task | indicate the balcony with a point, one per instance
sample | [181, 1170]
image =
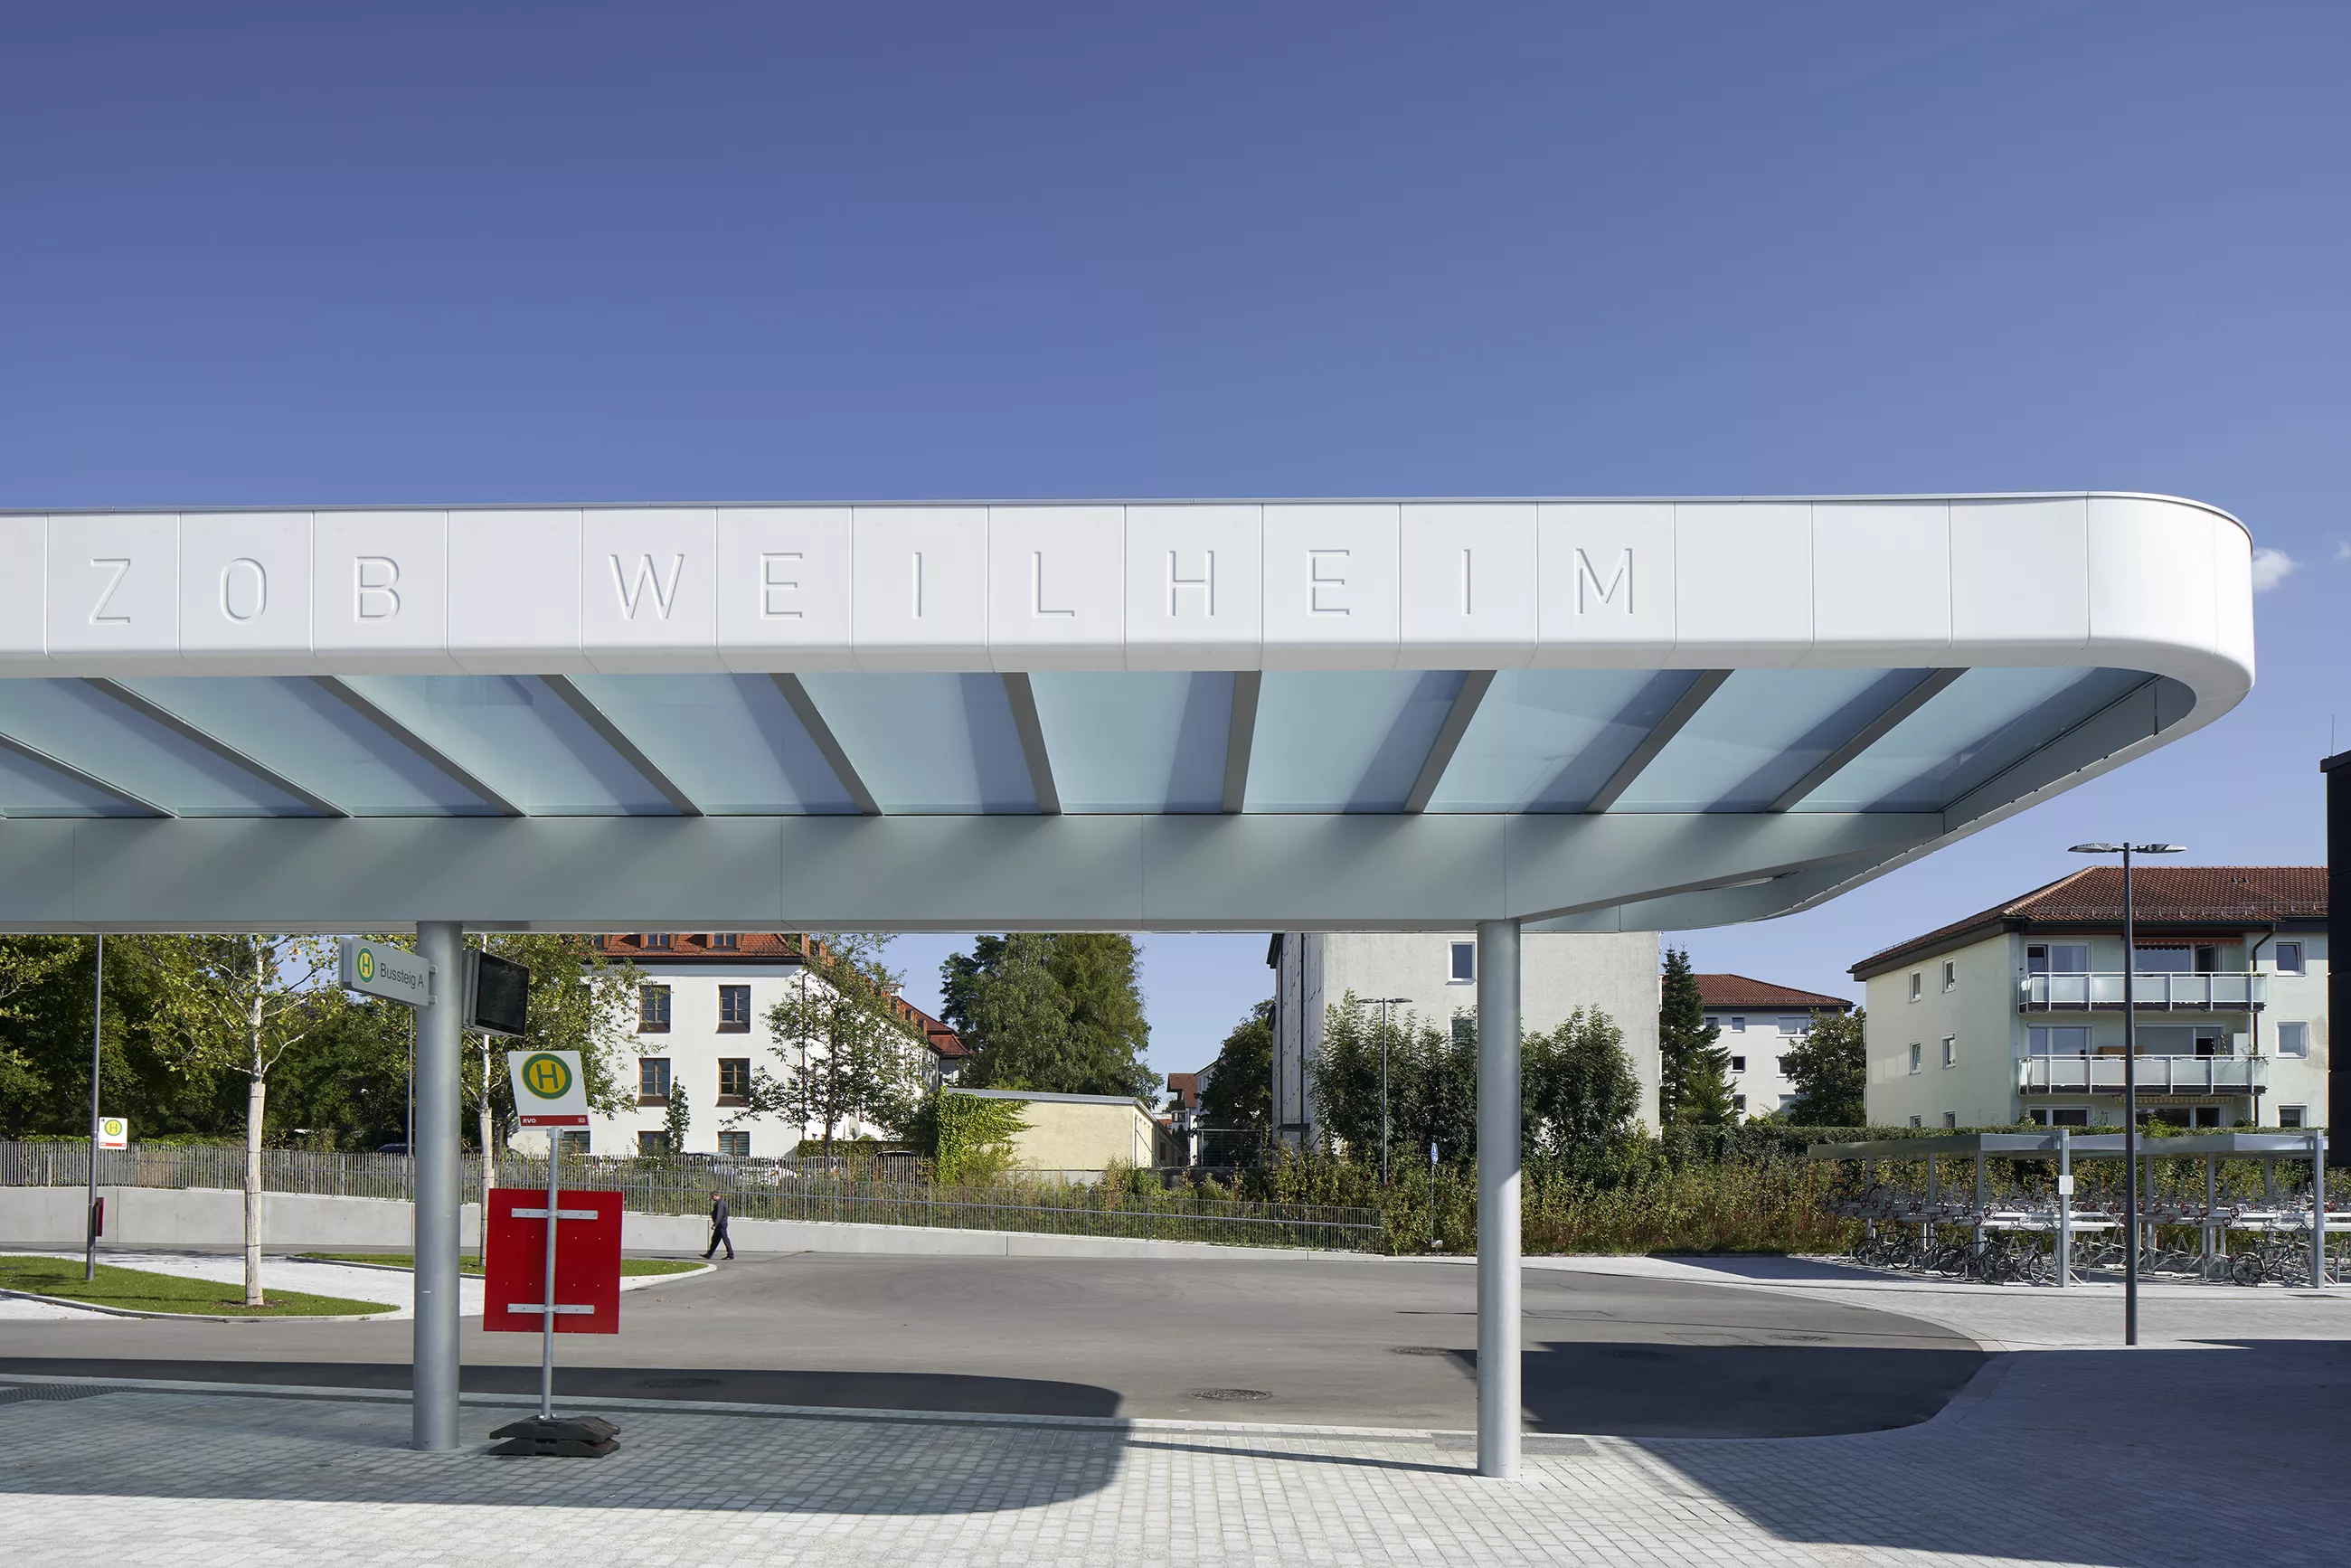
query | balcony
[2157, 1074]
[2158, 993]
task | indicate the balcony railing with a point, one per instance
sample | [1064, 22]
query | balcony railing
[2162, 992]
[2157, 1074]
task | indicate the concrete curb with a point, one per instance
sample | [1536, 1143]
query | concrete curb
[199, 1317]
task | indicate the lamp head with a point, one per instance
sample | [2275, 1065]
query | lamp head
[2096, 850]
[2160, 849]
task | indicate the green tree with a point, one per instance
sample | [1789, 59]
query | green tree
[1058, 1013]
[1830, 1068]
[1683, 1035]
[1578, 1089]
[1432, 1083]
[1707, 1099]
[238, 1004]
[968, 1138]
[677, 1120]
[1237, 1090]
[846, 1052]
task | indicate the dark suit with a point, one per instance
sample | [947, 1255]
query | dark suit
[718, 1237]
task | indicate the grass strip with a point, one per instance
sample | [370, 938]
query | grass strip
[138, 1290]
[630, 1267]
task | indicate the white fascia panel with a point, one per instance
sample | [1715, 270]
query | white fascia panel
[784, 588]
[514, 593]
[1056, 587]
[379, 591]
[113, 593]
[2019, 580]
[24, 574]
[649, 588]
[1195, 587]
[918, 588]
[245, 590]
[1743, 584]
[1881, 583]
[1333, 586]
[2232, 596]
[1604, 587]
[1469, 585]
[2150, 578]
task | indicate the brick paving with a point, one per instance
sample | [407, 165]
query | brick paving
[2230, 1450]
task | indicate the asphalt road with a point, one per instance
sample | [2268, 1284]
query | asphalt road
[1326, 1341]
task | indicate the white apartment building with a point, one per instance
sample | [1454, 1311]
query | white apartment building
[2015, 1014]
[701, 1025]
[1436, 975]
[1756, 1021]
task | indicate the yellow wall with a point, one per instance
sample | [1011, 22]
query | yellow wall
[1065, 1136]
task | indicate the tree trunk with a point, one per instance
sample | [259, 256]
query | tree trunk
[256, 1103]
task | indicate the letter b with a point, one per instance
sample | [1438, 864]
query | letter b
[377, 599]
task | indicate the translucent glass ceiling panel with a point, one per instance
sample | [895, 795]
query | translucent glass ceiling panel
[77, 723]
[731, 743]
[1139, 742]
[1758, 734]
[1345, 740]
[928, 742]
[304, 732]
[520, 739]
[1545, 740]
[1986, 721]
[31, 788]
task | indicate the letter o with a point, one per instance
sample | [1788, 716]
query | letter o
[252, 585]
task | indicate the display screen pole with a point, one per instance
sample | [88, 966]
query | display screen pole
[547, 1297]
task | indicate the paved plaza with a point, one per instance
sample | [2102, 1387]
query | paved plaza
[2223, 1438]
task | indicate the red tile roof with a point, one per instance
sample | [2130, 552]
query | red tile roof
[768, 947]
[1738, 991]
[2162, 896]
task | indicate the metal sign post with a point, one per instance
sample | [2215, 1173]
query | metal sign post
[97, 1039]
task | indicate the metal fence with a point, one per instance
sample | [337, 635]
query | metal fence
[815, 1188]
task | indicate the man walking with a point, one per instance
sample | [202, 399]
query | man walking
[718, 1236]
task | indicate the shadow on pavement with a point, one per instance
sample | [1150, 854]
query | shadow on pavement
[949, 1392]
[1771, 1265]
[1659, 1390]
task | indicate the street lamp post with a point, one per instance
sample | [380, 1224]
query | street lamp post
[2130, 1074]
[1385, 1002]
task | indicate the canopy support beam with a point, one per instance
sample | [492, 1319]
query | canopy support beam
[1474, 686]
[1499, 1416]
[1660, 736]
[439, 1186]
[1031, 731]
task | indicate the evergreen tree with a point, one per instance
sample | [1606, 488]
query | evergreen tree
[1830, 1067]
[1683, 1034]
[1707, 1100]
[677, 1120]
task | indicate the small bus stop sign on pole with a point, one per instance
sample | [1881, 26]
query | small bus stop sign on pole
[380, 969]
[549, 1090]
[113, 1133]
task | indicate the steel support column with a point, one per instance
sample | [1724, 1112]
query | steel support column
[1497, 1198]
[440, 1184]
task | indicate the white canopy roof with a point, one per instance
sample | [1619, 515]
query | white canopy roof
[1130, 715]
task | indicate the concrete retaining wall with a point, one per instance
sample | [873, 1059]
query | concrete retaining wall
[50, 1219]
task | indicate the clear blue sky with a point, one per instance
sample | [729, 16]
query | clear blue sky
[729, 252]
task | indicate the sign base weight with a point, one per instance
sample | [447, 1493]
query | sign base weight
[557, 1438]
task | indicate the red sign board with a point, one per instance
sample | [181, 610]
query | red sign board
[587, 1262]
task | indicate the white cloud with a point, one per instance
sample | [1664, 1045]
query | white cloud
[2271, 567]
[2343, 549]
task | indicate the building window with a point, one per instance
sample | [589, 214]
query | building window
[2057, 958]
[1950, 1050]
[1782, 1065]
[650, 1146]
[1465, 962]
[2071, 1116]
[1738, 1102]
[2206, 1115]
[1916, 1050]
[734, 1078]
[2058, 1039]
[2164, 960]
[658, 941]
[2289, 959]
[734, 1009]
[652, 1078]
[1794, 1025]
[1918, 985]
[1951, 974]
[652, 1009]
[1914, 1121]
[575, 1141]
[1950, 1121]
[723, 941]
[735, 1145]
[2290, 1116]
[1739, 1025]
[1738, 1064]
[1713, 1021]
[2294, 1039]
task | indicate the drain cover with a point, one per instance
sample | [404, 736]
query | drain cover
[679, 1383]
[1230, 1394]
